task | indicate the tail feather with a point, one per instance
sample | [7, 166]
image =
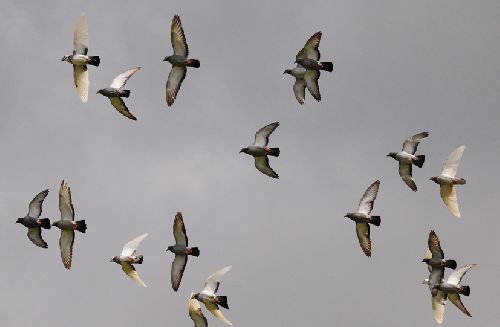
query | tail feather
[419, 162]
[452, 264]
[466, 290]
[222, 301]
[274, 152]
[375, 220]
[44, 223]
[194, 63]
[326, 65]
[194, 251]
[94, 60]
[81, 226]
[125, 93]
[459, 181]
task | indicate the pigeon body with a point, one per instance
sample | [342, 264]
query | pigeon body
[309, 56]
[179, 60]
[67, 224]
[363, 218]
[447, 180]
[115, 93]
[210, 299]
[260, 151]
[406, 158]
[452, 287]
[33, 221]
[128, 257]
[181, 251]
[79, 59]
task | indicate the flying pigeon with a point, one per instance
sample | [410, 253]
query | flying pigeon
[260, 151]
[115, 93]
[195, 312]
[33, 221]
[308, 57]
[179, 60]
[181, 252]
[406, 157]
[208, 297]
[79, 59]
[439, 300]
[128, 257]
[363, 218]
[67, 224]
[447, 180]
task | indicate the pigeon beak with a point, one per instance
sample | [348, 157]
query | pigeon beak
[62, 59]
[165, 59]
[111, 260]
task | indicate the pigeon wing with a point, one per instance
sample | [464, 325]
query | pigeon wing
[214, 309]
[435, 278]
[456, 276]
[405, 171]
[180, 230]
[35, 236]
[311, 77]
[121, 107]
[299, 89]
[262, 164]
[311, 48]
[212, 282]
[367, 200]
[81, 36]
[35, 207]
[438, 303]
[363, 232]
[262, 135]
[65, 203]
[195, 313]
[449, 196]
[122, 79]
[177, 270]
[81, 78]
[174, 82]
[435, 246]
[178, 38]
[66, 246]
[132, 273]
[428, 255]
[410, 144]
[455, 299]
[450, 166]
[130, 248]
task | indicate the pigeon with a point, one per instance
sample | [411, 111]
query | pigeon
[79, 59]
[308, 57]
[115, 93]
[453, 288]
[33, 221]
[208, 297]
[67, 224]
[260, 151]
[195, 312]
[363, 218]
[181, 252]
[406, 157]
[128, 257]
[439, 300]
[179, 60]
[447, 180]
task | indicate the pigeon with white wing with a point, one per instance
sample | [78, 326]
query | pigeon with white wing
[128, 257]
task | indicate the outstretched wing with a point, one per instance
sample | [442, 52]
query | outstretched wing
[455, 299]
[178, 38]
[449, 196]
[130, 271]
[214, 309]
[195, 312]
[66, 242]
[410, 144]
[121, 107]
[130, 248]
[262, 135]
[456, 276]
[35, 207]
[174, 82]
[363, 233]
[262, 164]
[180, 230]
[435, 246]
[405, 172]
[311, 78]
[35, 236]
[65, 203]
[450, 166]
[212, 282]
[367, 200]
[310, 49]
[122, 79]
[177, 270]
[81, 78]
[81, 36]
[438, 303]
[299, 89]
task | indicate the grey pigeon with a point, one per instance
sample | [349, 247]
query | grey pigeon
[179, 60]
[452, 287]
[115, 93]
[181, 251]
[194, 310]
[127, 258]
[406, 157]
[33, 221]
[67, 224]
[260, 151]
[309, 56]
[447, 180]
[363, 218]
[79, 59]
[208, 297]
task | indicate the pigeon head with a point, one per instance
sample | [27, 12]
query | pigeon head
[19, 220]
[114, 259]
[348, 215]
[288, 71]
[426, 281]
[167, 58]
[426, 260]
[244, 150]
[65, 58]
[55, 223]
[170, 248]
[434, 179]
[392, 155]
[195, 296]
[99, 92]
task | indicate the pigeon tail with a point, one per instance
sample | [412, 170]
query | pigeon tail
[140, 258]
[452, 264]
[44, 223]
[193, 63]
[419, 162]
[274, 152]
[465, 290]
[94, 61]
[81, 226]
[125, 93]
[194, 251]
[326, 65]
[459, 181]
[222, 301]
[375, 220]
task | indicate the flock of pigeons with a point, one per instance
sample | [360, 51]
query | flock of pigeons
[306, 73]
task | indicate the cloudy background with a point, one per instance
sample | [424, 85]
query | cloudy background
[401, 67]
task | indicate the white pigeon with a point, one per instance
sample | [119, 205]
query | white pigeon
[127, 257]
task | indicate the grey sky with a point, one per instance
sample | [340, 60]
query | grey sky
[401, 67]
